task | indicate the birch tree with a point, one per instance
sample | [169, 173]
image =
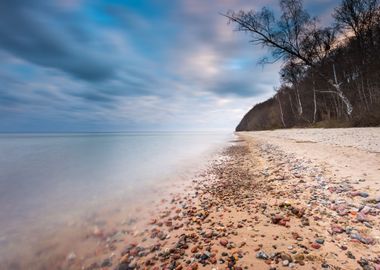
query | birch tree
[294, 36]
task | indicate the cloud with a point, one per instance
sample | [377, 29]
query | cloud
[119, 65]
[36, 32]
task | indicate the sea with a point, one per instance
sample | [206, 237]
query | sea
[51, 181]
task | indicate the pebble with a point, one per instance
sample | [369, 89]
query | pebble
[364, 240]
[262, 255]
[365, 210]
[71, 257]
[106, 263]
[320, 241]
[223, 242]
[360, 193]
[337, 229]
[350, 255]
[206, 214]
[361, 217]
[286, 257]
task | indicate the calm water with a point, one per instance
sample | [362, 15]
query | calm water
[47, 179]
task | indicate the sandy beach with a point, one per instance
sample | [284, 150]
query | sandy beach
[301, 199]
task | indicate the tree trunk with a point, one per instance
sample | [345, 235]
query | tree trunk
[340, 93]
[281, 113]
[315, 101]
[300, 109]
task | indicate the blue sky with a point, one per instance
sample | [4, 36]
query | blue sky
[97, 65]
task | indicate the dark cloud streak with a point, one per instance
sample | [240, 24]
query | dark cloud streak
[27, 31]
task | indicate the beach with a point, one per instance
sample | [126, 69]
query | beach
[66, 197]
[299, 198]
[302, 199]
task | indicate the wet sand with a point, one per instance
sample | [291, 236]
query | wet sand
[268, 201]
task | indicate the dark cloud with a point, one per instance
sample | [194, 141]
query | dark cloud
[29, 31]
[95, 96]
[7, 99]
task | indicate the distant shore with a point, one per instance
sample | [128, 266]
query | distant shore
[301, 198]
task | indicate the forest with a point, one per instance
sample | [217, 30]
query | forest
[330, 75]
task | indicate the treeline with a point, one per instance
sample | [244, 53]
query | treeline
[330, 75]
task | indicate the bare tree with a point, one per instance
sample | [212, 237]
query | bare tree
[359, 16]
[293, 37]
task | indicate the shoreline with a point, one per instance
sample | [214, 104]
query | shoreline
[260, 207]
[267, 201]
[86, 235]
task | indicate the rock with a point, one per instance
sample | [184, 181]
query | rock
[97, 232]
[342, 210]
[299, 212]
[305, 221]
[364, 264]
[361, 217]
[285, 263]
[311, 258]
[364, 240]
[365, 210]
[299, 257]
[363, 194]
[316, 246]
[276, 219]
[262, 255]
[122, 266]
[106, 263]
[360, 193]
[282, 222]
[350, 255]
[71, 257]
[124, 259]
[223, 242]
[286, 257]
[193, 266]
[320, 241]
[337, 229]
[325, 265]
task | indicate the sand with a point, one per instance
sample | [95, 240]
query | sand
[304, 199]
[347, 152]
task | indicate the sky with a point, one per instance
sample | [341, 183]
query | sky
[113, 65]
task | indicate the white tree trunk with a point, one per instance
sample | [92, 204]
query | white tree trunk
[340, 93]
[315, 102]
[281, 113]
[299, 104]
